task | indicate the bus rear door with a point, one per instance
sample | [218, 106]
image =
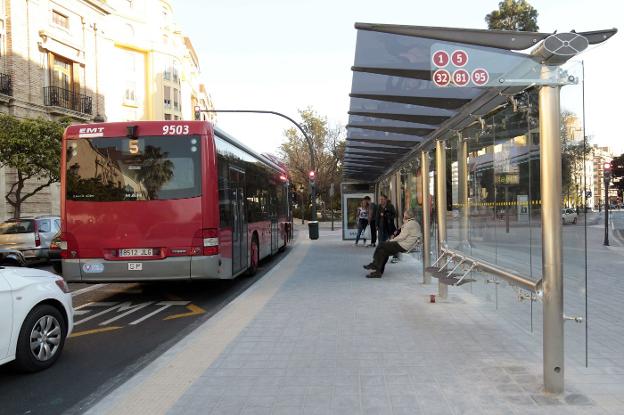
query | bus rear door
[239, 219]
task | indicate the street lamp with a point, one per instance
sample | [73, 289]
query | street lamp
[607, 178]
[312, 176]
[198, 110]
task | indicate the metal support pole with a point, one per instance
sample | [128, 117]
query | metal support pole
[552, 270]
[462, 173]
[606, 221]
[440, 162]
[426, 219]
[313, 210]
[506, 208]
[331, 207]
[302, 210]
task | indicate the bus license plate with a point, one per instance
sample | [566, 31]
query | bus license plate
[136, 252]
[135, 266]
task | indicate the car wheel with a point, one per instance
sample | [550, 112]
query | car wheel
[254, 258]
[41, 339]
[58, 267]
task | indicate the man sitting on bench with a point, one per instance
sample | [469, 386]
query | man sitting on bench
[404, 241]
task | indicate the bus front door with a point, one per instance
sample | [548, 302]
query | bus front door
[239, 219]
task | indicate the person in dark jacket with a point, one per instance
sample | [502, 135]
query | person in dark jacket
[385, 219]
[372, 220]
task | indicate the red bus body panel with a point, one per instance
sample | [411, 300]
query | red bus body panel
[96, 231]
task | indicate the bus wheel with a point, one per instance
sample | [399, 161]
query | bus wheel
[254, 253]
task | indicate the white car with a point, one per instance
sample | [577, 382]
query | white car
[568, 216]
[36, 316]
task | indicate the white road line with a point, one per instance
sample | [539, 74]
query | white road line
[87, 289]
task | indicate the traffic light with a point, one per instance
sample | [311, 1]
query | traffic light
[607, 170]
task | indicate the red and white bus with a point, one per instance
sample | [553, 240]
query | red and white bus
[167, 200]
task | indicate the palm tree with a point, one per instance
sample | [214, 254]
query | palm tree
[155, 172]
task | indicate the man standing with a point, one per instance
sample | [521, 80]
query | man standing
[385, 218]
[372, 222]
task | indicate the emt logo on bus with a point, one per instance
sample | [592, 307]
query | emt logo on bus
[91, 132]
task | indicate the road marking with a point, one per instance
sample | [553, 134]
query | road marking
[194, 310]
[87, 289]
[95, 304]
[123, 307]
[94, 331]
[165, 305]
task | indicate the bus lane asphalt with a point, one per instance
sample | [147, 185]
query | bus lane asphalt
[118, 329]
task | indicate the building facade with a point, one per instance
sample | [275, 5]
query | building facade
[157, 64]
[600, 156]
[49, 68]
[91, 60]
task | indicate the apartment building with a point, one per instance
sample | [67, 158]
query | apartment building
[157, 74]
[49, 68]
[91, 60]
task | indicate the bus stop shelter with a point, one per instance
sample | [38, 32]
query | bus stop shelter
[418, 91]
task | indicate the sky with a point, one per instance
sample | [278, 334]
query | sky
[287, 55]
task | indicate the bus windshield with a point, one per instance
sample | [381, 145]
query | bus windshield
[124, 169]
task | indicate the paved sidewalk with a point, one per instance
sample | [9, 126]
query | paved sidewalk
[316, 337]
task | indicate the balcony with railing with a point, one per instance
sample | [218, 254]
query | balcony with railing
[55, 96]
[6, 87]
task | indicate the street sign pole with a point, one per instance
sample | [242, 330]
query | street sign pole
[606, 221]
[331, 204]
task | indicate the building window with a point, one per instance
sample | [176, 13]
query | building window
[2, 35]
[60, 19]
[165, 16]
[167, 117]
[129, 29]
[167, 101]
[64, 85]
[130, 92]
[61, 72]
[176, 99]
[132, 71]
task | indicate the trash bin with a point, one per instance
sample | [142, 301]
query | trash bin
[313, 229]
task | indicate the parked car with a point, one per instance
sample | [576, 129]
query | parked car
[36, 316]
[568, 216]
[12, 258]
[54, 253]
[31, 236]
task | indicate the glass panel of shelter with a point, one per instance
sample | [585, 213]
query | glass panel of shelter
[579, 226]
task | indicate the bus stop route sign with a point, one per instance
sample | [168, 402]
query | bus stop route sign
[460, 77]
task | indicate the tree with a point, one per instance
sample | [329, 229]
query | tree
[329, 147]
[617, 174]
[573, 154]
[155, 171]
[33, 149]
[513, 15]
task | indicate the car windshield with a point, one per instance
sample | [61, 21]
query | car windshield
[17, 226]
[122, 169]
